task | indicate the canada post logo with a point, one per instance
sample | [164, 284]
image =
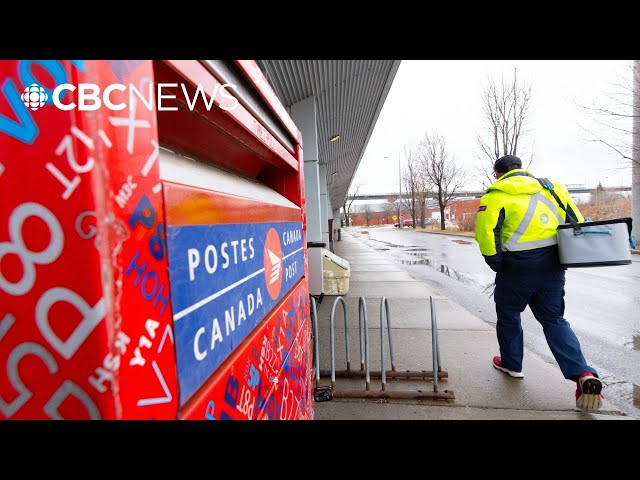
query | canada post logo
[225, 279]
[117, 96]
[273, 263]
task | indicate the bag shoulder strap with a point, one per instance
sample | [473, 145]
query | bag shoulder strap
[546, 183]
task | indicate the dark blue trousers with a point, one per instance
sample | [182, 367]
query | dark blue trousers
[544, 293]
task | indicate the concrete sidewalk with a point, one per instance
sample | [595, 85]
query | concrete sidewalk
[467, 345]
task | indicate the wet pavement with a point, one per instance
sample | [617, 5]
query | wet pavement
[466, 344]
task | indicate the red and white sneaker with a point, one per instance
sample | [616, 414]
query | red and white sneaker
[497, 362]
[588, 396]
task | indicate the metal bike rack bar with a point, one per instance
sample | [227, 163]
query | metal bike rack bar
[316, 350]
[383, 376]
[363, 326]
[435, 325]
[333, 342]
[364, 351]
[435, 347]
[385, 303]
[365, 371]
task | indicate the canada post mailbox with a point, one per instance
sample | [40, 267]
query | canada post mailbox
[152, 257]
[85, 316]
[236, 251]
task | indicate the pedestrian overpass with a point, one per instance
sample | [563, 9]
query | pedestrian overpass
[392, 197]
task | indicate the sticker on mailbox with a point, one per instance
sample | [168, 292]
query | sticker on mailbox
[224, 280]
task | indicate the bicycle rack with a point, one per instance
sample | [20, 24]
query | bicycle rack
[323, 393]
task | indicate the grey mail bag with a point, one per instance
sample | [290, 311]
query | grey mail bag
[592, 244]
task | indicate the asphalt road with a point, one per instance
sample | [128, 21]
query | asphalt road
[602, 304]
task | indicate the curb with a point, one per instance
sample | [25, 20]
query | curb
[458, 234]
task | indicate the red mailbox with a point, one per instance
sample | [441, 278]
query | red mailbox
[152, 243]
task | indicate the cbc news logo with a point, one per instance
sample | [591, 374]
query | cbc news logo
[34, 96]
[90, 96]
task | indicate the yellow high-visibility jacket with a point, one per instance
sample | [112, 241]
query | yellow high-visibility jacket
[518, 214]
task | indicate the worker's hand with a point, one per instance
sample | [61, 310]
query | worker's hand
[494, 262]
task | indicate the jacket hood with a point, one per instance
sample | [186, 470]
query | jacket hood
[517, 182]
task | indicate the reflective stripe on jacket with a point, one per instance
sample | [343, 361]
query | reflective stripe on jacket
[518, 214]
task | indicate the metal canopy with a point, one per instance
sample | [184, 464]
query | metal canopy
[349, 96]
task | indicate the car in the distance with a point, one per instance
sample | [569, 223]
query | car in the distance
[405, 223]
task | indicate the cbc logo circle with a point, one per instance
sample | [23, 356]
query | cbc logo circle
[34, 96]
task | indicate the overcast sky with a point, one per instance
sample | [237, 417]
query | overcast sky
[445, 96]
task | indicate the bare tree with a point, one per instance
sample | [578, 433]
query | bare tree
[366, 209]
[505, 108]
[416, 186]
[346, 206]
[409, 201]
[410, 180]
[619, 113]
[441, 170]
[423, 187]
